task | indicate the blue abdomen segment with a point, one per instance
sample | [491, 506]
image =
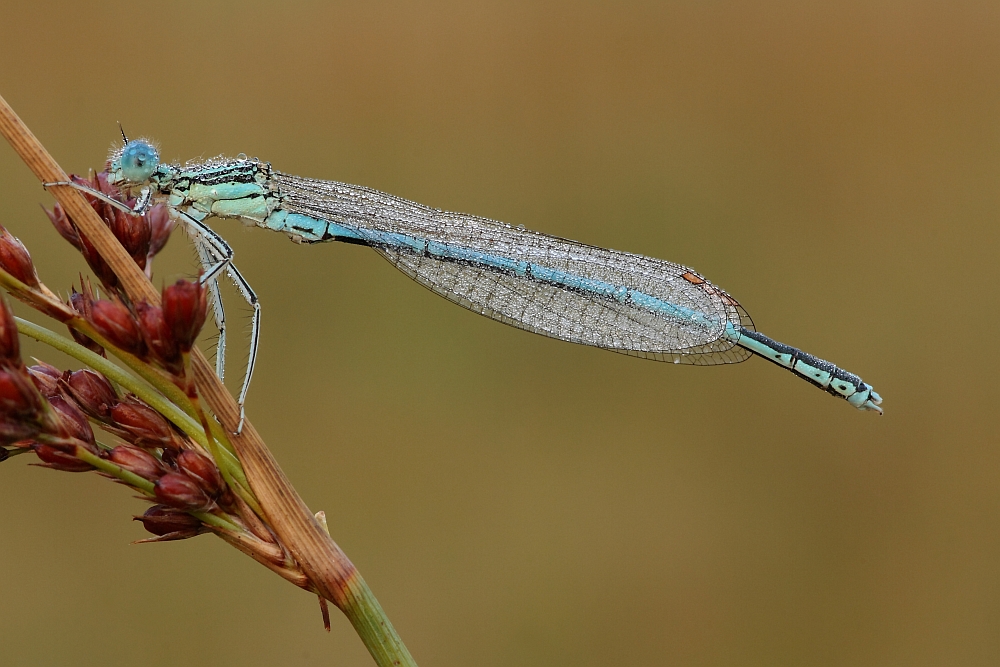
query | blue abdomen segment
[306, 229]
[821, 373]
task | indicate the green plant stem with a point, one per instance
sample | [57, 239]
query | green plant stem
[11, 453]
[373, 626]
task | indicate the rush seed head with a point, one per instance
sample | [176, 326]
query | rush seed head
[170, 523]
[145, 426]
[63, 225]
[15, 260]
[137, 461]
[159, 338]
[92, 392]
[72, 422]
[58, 459]
[115, 322]
[141, 236]
[201, 469]
[180, 491]
[185, 306]
[10, 348]
[161, 225]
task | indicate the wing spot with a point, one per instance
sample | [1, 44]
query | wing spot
[693, 278]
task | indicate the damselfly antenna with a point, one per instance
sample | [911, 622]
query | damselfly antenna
[122, 131]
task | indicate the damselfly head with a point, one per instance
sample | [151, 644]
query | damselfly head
[135, 162]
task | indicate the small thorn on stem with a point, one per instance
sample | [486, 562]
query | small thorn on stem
[325, 610]
[321, 518]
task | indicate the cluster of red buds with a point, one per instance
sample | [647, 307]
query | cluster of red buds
[50, 412]
[181, 464]
[141, 236]
[162, 335]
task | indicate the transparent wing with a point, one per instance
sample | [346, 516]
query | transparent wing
[552, 310]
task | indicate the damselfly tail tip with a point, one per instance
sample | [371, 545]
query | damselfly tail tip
[873, 403]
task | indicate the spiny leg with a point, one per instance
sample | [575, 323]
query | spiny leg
[251, 298]
[215, 300]
[141, 206]
[219, 254]
[213, 255]
[212, 248]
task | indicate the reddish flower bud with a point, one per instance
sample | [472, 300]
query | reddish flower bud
[19, 399]
[201, 469]
[158, 337]
[47, 384]
[169, 522]
[10, 349]
[114, 321]
[57, 459]
[138, 461]
[180, 491]
[162, 225]
[15, 260]
[145, 425]
[101, 269]
[92, 392]
[49, 370]
[133, 232]
[80, 302]
[184, 308]
[64, 225]
[72, 422]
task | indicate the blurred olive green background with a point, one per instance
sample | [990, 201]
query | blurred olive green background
[513, 500]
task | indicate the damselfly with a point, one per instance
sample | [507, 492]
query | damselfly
[614, 300]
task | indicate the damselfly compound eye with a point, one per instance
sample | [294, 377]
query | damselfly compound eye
[139, 160]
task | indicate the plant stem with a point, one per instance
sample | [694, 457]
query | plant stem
[373, 626]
